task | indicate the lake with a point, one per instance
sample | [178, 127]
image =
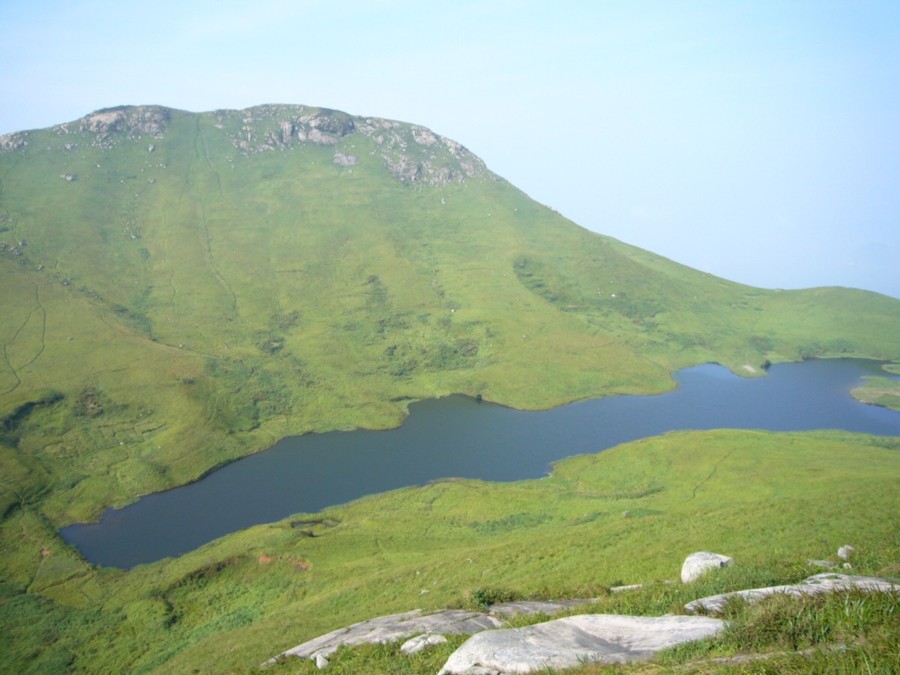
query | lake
[460, 437]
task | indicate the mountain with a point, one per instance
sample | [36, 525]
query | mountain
[181, 289]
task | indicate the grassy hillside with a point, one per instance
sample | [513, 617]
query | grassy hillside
[191, 287]
[627, 515]
[180, 289]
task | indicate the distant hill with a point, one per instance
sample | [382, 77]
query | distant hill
[181, 289]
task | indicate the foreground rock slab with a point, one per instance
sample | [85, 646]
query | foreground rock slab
[575, 640]
[814, 585]
[391, 628]
[398, 626]
[421, 643]
[530, 607]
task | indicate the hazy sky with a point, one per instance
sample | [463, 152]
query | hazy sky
[756, 140]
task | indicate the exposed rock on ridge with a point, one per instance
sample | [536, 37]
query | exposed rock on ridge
[397, 626]
[389, 628]
[271, 127]
[104, 128]
[14, 141]
[135, 122]
[110, 126]
[410, 153]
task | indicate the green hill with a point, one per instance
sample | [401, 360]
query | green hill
[214, 281]
[180, 289]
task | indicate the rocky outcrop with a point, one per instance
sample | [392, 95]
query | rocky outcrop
[273, 127]
[321, 137]
[814, 585]
[110, 125]
[532, 607]
[14, 141]
[421, 643]
[410, 153]
[845, 552]
[561, 643]
[333, 122]
[700, 563]
[576, 640]
[414, 154]
[345, 160]
[399, 626]
[391, 628]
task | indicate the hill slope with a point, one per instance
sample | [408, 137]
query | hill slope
[181, 289]
[628, 515]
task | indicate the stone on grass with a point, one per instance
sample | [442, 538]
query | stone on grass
[698, 564]
[828, 582]
[390, 629]
[421, 642]
[576, 640]
[844, 552]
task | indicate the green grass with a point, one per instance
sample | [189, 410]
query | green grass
[883, 391]
[168, 311]
[628, 515]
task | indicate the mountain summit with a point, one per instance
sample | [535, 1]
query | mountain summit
[410, 153]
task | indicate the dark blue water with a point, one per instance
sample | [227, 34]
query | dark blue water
[459, 437]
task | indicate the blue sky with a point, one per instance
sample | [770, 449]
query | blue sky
[759, 141]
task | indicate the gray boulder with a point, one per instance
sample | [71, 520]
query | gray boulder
[814, 585]
[390, 629]
[399, 626]
[845, 552]
[421, 642]
[575, 640]
[698, 564]
[345, 160]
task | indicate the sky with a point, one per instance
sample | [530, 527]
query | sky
[757, 140]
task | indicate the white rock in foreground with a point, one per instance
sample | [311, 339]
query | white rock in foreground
[398, 626]
[698, 564]
[529, 607]
[845, 552]
[575, 640]
[390, 628]
[814, 585]
[421, 642]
